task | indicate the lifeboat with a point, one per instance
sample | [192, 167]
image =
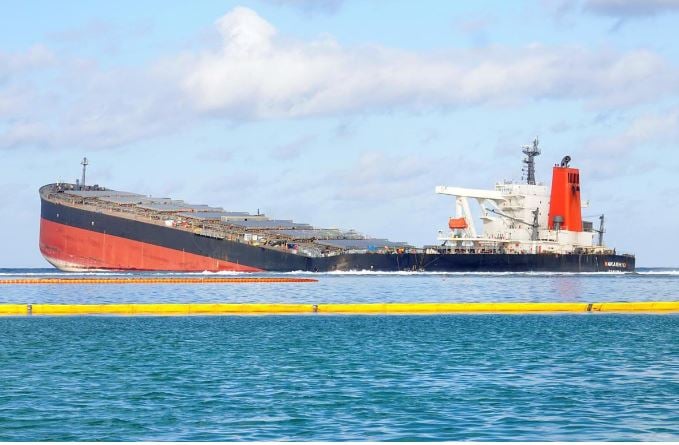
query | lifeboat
[457, 223]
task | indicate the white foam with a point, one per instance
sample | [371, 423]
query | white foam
[221, 272]
[425, 273]
[658, 272]
[62, 274]
[55, 273]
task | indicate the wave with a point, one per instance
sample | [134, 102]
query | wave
[429, 273]
[62, 274]
[222, 272]
[56, 273]
[658, 272]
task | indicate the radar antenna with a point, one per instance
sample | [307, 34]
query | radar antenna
[84, 163]
[531, 151]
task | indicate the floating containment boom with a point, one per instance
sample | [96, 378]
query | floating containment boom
[183, 309]
[158, 280]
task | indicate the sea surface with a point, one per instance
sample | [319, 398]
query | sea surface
[590, 376]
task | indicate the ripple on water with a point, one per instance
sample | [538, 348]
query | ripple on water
[363, 287]
[462, 377]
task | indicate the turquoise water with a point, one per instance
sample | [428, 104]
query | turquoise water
[648, 285]
[315, 377]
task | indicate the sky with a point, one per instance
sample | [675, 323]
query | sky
[343, 113]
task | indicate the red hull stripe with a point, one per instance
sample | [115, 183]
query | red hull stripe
[84, 249]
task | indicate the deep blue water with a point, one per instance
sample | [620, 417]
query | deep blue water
[319, 377]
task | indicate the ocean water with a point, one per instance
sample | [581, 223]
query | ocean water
[357, 287]
[590, 376]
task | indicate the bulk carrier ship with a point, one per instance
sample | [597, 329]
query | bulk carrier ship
[526, 227]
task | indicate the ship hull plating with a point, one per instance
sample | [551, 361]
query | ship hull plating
[75, 240]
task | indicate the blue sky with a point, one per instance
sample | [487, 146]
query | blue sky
[343, 113]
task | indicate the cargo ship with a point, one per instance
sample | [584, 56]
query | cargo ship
[526, 226]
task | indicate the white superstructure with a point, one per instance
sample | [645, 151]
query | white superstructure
[515, 216]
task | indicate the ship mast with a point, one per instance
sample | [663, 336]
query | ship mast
[601, 230]
[531, 152]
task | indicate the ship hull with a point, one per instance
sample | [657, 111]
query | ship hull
[74, 239]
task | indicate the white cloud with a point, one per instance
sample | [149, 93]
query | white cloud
[621, 10]
[37, 56]
[53, 100]
[377, 176]
[245, 31]
[646, 131]
[636, 149]
[631, 8]
[258, 74]
[49, 101]
[16, 72]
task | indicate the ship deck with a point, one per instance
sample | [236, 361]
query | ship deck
[215, 222]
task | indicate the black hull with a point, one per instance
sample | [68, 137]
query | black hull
[279, 261]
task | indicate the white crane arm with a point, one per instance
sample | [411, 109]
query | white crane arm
[492, 195]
